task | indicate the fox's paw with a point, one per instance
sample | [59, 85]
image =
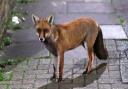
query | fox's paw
[87, 71]
[59, 79]
[53, 77]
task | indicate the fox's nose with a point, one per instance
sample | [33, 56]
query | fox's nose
[42, 39]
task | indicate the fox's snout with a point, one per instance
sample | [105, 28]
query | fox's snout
[42, 39]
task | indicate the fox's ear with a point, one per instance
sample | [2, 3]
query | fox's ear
[50, 19]
[35, 18]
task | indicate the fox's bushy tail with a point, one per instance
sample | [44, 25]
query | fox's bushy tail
[99, 49]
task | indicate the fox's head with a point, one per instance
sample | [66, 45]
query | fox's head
[43, 26]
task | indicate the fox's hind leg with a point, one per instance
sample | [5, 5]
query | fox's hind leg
[90, 42]
[90, 61]
[85, 58]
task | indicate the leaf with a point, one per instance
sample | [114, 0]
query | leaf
[1, 76]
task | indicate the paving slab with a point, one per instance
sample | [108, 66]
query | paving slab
[124, 68]
[113, 32]
[75, 7]
[105, 1]
[62, 10]
[109, 19]
[73, 78]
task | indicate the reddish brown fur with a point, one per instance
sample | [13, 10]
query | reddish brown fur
[67, 36]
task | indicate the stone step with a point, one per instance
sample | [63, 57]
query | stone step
[113, 32]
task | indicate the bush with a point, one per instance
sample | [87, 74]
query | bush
[13, 26]
[7, 41]
[1, 45]
[1, 75]
[24, 1]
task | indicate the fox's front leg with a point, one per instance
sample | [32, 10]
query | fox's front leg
[58, 66]
[55, 68]
[61, 65]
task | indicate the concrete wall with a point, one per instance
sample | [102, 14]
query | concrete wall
[5, 8]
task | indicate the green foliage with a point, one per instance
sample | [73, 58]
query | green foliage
[1, 45]
[24, 1]
[1, 75]
[9, 62]
[5, 75]
[7, 87]
[7, 40]
[121, 20]
[8, 76]
[12, 61]
[11, 25]
[18, 13]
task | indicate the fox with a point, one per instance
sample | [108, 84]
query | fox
[59, 38]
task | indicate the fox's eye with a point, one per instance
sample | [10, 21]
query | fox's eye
[39, 30]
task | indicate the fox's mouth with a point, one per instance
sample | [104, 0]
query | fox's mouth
[44, 41]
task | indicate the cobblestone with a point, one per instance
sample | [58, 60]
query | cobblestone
[44, 76]
[104, 86]
[17, 75]
[30, 76]
[43, 67]
[114, 68]
[105, 75]
[28, 81]
[45, 61]
[119, 86]
[40, 82]
[25, 86]
[113, 54]
[114, 74]
[113, 62]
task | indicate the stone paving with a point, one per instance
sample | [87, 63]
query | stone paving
[35, 73]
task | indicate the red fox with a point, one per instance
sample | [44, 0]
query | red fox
[59, 38]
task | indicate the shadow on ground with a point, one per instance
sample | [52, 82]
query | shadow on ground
[80, 81]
